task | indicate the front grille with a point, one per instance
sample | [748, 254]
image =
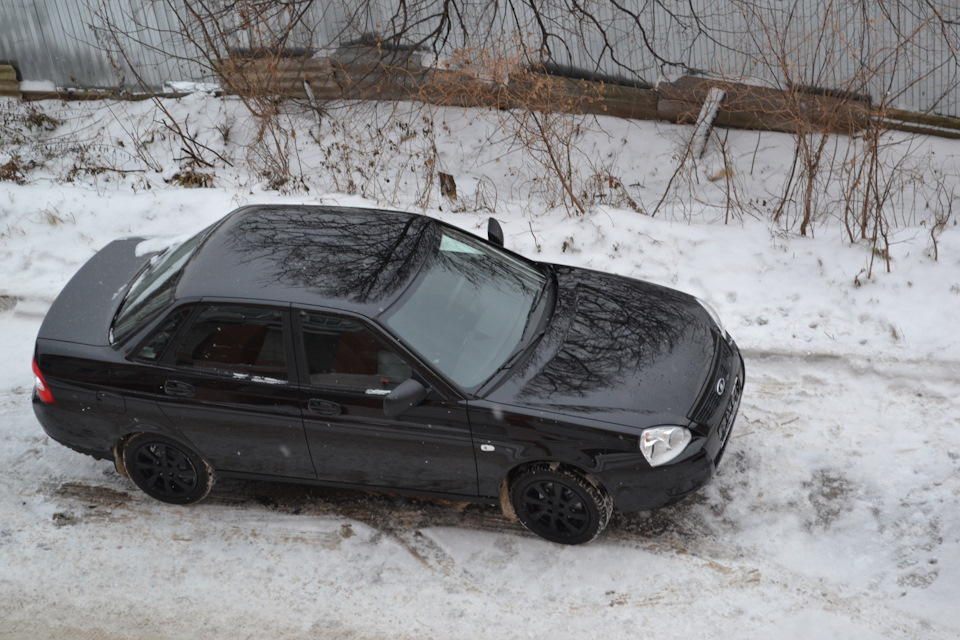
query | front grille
[726, 423]
[731, 413]
[710, 400]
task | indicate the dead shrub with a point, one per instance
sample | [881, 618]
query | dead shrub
[192, 179]
[13, 171]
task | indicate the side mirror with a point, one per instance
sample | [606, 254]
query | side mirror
[494, 232]
[409, 394]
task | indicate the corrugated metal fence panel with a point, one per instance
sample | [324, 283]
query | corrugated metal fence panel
[21, 41]
[65, 43]
[43, 40]
[157, 33]
[822, 43]
[142, 43]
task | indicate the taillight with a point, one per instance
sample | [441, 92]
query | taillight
[43, 391]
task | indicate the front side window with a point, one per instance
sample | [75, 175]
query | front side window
[245, 342]
[343, 354]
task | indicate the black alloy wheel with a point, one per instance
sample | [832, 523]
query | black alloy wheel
[166, 470]
[560, 505]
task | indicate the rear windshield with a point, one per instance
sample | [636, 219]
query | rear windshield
[153, 289]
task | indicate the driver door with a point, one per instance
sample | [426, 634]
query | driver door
[346, 369]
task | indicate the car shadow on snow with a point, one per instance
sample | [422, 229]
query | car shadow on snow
[677, 526]
[389, 513]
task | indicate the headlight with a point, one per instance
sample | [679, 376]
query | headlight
[714, 316]
[660, 445]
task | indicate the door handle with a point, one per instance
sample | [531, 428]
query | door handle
[323, 407]
[178, 389]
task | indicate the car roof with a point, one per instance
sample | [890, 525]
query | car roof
[355, 259]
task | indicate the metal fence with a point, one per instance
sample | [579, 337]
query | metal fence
[55, 42]
[901, 52]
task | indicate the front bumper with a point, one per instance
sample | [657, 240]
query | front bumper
[635, 486]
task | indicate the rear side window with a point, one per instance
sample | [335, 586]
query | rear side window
[240, 341]
[153, 290]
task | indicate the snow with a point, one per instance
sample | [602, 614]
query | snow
[37, 85]
[191, 87]
[834, 513]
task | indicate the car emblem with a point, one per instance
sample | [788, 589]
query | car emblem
[721, 386]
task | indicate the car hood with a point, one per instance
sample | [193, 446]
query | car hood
[84, 310]
[616, 350]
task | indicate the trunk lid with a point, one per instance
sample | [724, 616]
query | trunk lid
[84, 310]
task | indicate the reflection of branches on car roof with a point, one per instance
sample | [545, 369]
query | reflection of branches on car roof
[331, 255]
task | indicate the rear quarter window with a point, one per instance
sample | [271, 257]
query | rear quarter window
[153, 347]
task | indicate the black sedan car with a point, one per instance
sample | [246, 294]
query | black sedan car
[387, 351]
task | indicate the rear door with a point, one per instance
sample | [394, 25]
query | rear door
[227, 385]
[346, 369]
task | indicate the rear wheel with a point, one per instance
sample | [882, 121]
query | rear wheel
[166, 470]
[559, 504]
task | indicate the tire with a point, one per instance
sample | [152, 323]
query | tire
[166, 470]
[559, 504]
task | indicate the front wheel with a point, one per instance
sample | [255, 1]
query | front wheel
[560, 505]
[166, 470]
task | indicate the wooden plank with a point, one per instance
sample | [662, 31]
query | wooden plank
[556, 93]
[744, 106]
[751, 107]
[704, 125]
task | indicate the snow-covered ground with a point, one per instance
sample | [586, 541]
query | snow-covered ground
[834, 514]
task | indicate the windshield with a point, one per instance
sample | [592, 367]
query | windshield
[467, 313]
[153, 290]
